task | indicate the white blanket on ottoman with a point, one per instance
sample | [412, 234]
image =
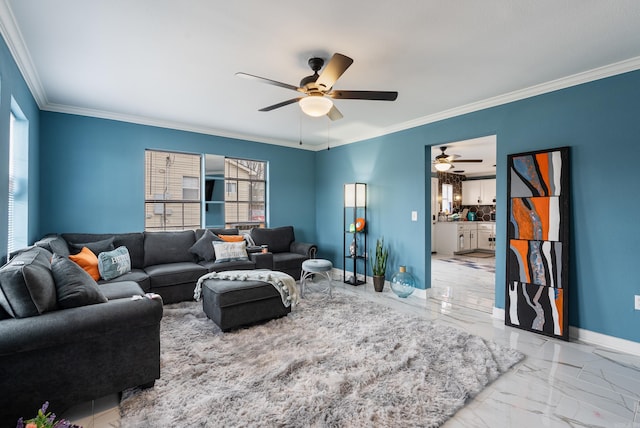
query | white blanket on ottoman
[284, 283]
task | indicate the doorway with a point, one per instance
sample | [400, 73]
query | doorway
[462, 219]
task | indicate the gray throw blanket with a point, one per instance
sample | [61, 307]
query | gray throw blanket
[284, 283]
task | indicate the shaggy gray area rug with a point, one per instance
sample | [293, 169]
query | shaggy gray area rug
[334, 363]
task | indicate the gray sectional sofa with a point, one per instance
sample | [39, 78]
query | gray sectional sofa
[67, 341]
[82, 340]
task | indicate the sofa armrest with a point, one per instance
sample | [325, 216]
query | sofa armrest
[66, 326]
[304, 248]
[262, 260]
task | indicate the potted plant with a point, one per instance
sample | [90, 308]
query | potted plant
[379, 265]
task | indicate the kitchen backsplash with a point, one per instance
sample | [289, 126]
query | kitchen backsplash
[483, 212]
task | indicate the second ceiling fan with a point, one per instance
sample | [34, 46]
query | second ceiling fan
[444, 162]
[318, 88]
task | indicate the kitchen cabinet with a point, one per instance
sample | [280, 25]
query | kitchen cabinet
[486, 236]
[461, 237]
[479, 192]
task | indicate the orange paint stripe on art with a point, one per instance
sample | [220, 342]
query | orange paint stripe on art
[559, 305]
[522, 248]
[542, 208]
[542, 159]
[523, 220]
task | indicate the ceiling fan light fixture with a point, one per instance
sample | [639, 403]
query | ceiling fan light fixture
[442, 166]
[315, 105]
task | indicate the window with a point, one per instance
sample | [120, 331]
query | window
[172, 190]
[18, 207]
[245, 193]
[447, 198]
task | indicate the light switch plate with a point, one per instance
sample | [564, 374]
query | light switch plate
[414, 215]
[637, 303]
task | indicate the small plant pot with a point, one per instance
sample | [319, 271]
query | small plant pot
[378, 283]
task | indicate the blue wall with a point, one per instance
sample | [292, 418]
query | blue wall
[86, 175]
[13, 85]
[93, 174]
[600, 121]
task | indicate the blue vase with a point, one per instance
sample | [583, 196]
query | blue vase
[403, 283]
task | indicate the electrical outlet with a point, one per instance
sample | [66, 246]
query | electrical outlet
[637, 305]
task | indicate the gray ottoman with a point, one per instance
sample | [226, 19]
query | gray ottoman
[233, 304]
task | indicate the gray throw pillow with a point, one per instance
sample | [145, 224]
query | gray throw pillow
[26, 285]
[96, 247]
[203, 248]
[74, 285]
[112, 264]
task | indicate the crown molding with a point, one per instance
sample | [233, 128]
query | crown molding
[17, 47]
[178, 126]
[610, 70]
[22, 57]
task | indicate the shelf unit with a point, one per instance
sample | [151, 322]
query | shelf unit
[214, 201]
[354, 243]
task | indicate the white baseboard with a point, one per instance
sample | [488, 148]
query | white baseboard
[591, 337]
[575, 333]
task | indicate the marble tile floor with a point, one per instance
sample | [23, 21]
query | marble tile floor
[558, 384]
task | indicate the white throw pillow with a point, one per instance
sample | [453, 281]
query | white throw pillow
[230, 251]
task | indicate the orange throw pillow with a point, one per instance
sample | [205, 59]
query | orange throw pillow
[87, 261]
[231, 238]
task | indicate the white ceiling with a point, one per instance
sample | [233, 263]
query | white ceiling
[172, 64]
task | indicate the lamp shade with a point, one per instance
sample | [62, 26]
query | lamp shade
[442, 166]
[315, 105]
[355, 195]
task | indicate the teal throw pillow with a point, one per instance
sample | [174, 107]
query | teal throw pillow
[112, 264]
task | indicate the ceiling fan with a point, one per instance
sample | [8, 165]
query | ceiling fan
[318, 88]
[443, 162]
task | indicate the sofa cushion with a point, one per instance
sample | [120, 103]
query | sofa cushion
[138, 276]
[168, 247]
[96, 247]
[286, 261]
[212, 266]
[230, 251]
[74, 286]
[169, 274]
[27, 287]
[278, 239]
[121, 290]
[203, 248]
[88, 261]
[112, 264]
[54, 244]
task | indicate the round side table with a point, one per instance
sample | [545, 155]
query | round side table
[315, 266]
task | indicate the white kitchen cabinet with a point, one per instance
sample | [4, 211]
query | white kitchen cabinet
[471, 190]
[467, 237]
[488, 191]
[463, 237]
[479, 192]
[486, 236]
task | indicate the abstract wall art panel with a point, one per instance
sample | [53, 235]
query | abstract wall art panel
[537, 241]
[535, 308]
[535, 218]
[536, 262]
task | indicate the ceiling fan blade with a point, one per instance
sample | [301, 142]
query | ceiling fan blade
[333, 70]
[364, 95]
[466, 160]
[334, 113]
[282, 104]
[268, 81]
